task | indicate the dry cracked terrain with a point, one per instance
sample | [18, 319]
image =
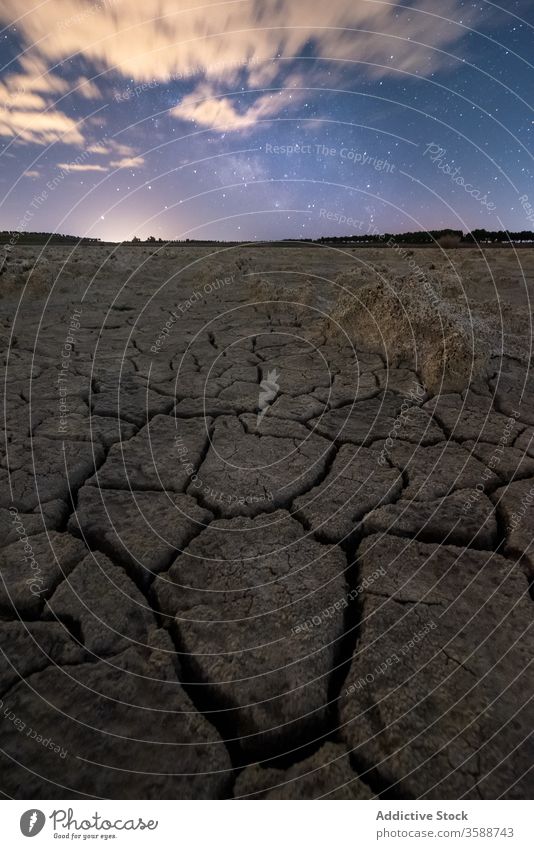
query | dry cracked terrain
[242, 556]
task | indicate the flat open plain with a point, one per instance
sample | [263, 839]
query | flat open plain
[245, 552]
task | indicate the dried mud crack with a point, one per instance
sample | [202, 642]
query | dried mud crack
[250, 558]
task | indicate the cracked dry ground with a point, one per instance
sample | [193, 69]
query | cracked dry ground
[222, 608]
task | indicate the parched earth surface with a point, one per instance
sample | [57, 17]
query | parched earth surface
[241, 556]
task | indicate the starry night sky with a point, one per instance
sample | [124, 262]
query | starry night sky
[174, 119]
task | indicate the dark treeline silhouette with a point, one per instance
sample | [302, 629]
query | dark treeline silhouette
[428, 237]
[13, 237]
[420, 237]
[499, 236]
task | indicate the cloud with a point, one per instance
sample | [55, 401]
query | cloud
[87, 88]
[26, 106]
[39, 127]
[111, 146]
[80, 166]
[128, 162]
[34, 75]
[121, 149]
[208, 110]
[107, 147]
[32, 172]
[253, 43]
[18, 99]
[98, 148]
[156, 40]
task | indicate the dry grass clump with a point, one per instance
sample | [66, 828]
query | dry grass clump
[408, 320]
[264, 290]
[18, 271]
[354, 279]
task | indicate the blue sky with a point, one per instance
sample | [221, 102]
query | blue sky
[254, 120]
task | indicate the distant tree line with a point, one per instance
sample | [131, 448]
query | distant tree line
[151, 240]
[428, 237]
[420, 237]
[499, 236]
[23, 238]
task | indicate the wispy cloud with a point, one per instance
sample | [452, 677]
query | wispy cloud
[80, 166]
[128, 162]
[111, 147]
[39, 127]
[156, 39]
[207, 110]
[250, 41]
[87, 88]
[27, 109]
